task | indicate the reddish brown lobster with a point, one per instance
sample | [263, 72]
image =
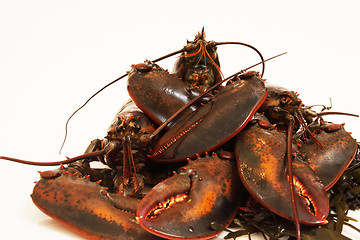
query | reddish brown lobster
[283, 152]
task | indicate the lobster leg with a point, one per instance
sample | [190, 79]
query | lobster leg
[185, 205]
[83, 206]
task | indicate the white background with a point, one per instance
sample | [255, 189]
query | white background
[56, 54]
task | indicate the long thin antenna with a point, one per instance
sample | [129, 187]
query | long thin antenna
[289, 156]
[337, 113]
[67, 122]
[249, 46]
[67, 161]
[107, 85]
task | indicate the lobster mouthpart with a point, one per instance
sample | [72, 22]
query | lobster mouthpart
[214, 123]
[80, 205]
[184, 206]
[330, 161]
[260, 154]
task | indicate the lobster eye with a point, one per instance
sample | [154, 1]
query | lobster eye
[284, 100]
[136, 126]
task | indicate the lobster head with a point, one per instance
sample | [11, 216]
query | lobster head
[129, 130]
[282, 103]
[199, 65]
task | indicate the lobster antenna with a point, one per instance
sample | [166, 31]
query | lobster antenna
[68, 120]
[289, 153]
[107, 85]
[67, 161]
[323, 112]
[337, 113]
[164, 124]
[249, 46]
[321, 105]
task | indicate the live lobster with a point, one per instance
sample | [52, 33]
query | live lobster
[281, 146]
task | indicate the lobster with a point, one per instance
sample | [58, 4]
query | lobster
[285, 111]
[319, 145]
[123, 150]
[207, 187]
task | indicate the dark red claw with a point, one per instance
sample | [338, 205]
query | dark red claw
[339, 149]
[82, 206]
[214, 123]
[313, 194]
[201, 190]
[261, 162]
[158, 94]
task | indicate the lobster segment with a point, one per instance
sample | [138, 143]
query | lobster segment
[184, 205]
[82, 206]
[260, 153]
[214, 123]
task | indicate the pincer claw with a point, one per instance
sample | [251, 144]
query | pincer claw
[184, 205]
[260, 154]
[330, 161]
[82, 205]
[182, 140]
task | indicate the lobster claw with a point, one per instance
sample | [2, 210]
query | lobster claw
[157, 93]
[337, 152]
[184, 205]
[82, 206]
[214, 123]
[260, 153]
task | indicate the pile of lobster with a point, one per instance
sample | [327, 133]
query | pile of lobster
[191, 148]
